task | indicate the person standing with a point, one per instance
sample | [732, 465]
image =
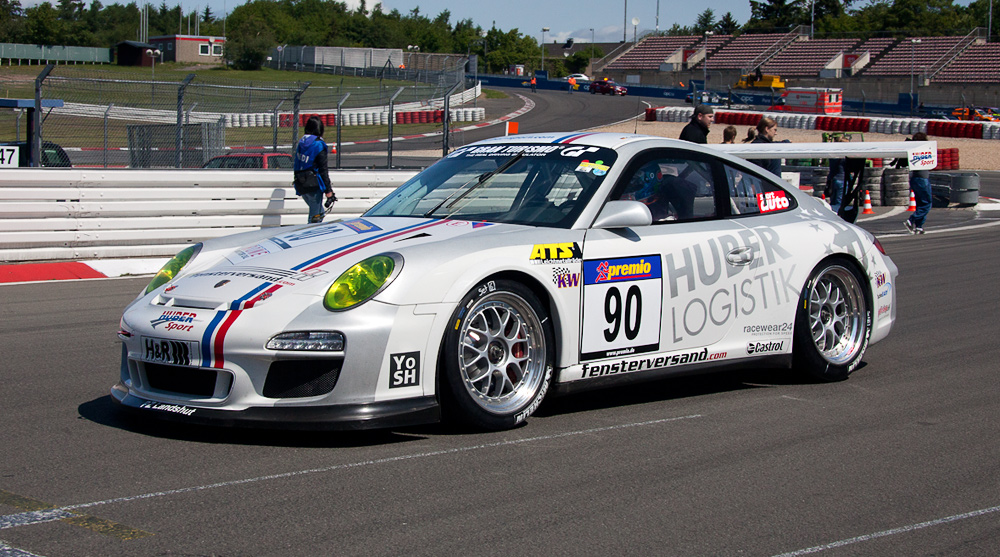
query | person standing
[836, 179]
[920, 185]
[572, 84]
[696, 131]
[534, 82]
[311, 174]
[729, 135]
[767, 130]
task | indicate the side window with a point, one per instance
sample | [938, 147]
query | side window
[203, 49]
[279, 162]
[751, 195]
[674, 189]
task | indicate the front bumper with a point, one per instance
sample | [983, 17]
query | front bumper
[375, 415]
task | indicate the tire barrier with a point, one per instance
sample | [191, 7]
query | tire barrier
[381, 118]
[895, 187]
[872, 183]
[895, 126]
[958, 187]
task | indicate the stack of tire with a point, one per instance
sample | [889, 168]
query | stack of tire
[819, 176]
[896, 187]
[873, 184]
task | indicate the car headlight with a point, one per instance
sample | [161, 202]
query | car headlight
[172, 267]
[362, 281]
[307, 340]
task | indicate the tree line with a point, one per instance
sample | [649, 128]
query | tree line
[252, 29]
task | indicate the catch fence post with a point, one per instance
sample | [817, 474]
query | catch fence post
[179, 136]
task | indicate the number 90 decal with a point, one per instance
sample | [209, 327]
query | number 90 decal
[621, 306]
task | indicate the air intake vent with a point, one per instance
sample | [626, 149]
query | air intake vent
[188, 381]
[301, 378]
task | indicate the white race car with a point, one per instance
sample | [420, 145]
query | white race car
[511, 268]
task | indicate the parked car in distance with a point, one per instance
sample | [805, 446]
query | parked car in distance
[607, 87]
[264, 161]
[53, 156]
[705, 97]
[577, 76]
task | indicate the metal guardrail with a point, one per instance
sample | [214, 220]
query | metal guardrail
[77, 214]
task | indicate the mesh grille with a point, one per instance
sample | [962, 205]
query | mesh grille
[301, 378]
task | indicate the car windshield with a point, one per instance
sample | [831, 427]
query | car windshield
[536, 184]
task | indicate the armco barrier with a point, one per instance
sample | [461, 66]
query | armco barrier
[88, 214]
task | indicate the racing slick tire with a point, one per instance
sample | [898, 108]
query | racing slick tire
[497, 356]
[833, 323]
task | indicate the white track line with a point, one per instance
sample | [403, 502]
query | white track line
[892, 532]
[38, 517]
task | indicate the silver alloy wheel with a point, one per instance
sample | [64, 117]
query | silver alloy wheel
[837, 315]
[502, 353]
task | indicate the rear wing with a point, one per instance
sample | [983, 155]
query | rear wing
[920, 155]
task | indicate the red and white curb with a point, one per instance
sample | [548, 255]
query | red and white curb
[18, 273]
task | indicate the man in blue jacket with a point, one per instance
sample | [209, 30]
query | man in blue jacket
[312, 177]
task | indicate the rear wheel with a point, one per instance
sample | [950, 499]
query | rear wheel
[833, 322]
[497, 358]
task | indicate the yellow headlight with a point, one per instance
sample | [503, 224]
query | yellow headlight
[172, 267]
[360, 282]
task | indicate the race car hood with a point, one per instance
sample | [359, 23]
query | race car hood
[304, 260]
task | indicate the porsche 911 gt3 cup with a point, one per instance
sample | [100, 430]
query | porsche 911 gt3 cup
[512, 268]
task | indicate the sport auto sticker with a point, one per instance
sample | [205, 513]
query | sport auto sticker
[621, 306]
[693, 271]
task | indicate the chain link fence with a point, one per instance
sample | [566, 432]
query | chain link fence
[144, 120]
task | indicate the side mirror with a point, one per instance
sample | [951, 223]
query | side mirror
[623, 214]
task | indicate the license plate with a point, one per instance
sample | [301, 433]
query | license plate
[176, 352]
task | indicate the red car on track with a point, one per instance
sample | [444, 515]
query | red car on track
[607, 87]
[251, 161]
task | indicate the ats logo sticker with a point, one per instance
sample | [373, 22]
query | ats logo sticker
[564, 252]
[404, 370]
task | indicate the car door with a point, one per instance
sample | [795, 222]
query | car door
[679, 284]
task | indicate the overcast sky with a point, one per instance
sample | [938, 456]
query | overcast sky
[564, 18]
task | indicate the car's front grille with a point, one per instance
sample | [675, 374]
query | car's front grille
[182, 380]
[301, 378]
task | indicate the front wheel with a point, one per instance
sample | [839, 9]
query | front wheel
[497, 357]
[833, 323]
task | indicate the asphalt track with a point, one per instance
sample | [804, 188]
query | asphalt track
[900, 459]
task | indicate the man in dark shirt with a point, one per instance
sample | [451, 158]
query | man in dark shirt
[697, 129]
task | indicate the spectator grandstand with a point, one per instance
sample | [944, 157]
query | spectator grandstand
[874, 69]
[874, 46]
[908, 56]
[806, 57]
[651, 52]
[740, 52]
[977, 64]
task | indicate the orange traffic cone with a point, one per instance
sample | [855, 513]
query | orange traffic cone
[868, 204]
[913, 203]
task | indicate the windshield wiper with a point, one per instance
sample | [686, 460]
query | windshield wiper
[483, 178]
